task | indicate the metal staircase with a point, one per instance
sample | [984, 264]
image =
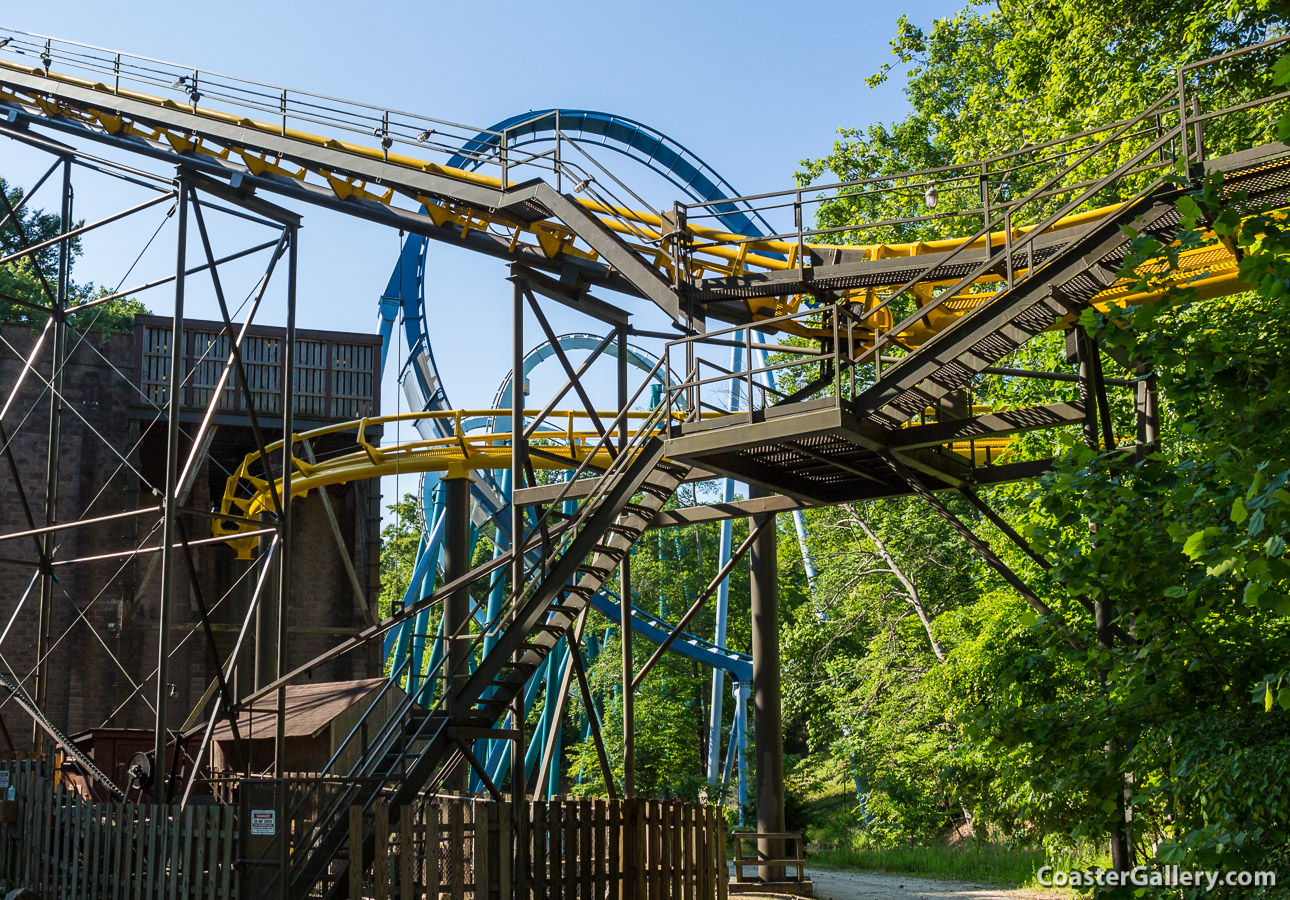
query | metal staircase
[1063, 285]
[404, 749]
[1057, 290]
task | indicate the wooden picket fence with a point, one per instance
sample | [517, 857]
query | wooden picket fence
[559, 850]
[63, 846]
[58, 844]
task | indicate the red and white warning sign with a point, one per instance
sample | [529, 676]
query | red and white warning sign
[264, 822]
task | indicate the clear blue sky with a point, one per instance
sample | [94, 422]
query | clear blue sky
[752, 87]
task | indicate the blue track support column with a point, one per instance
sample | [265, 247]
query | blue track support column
[740, 743]
[553, 774]
[551, 673]
[499, 763]
[763, 567]
[799, 525]
[520, 707]
[456, 606]
[389, 313]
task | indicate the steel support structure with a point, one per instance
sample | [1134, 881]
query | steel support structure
[618, 264]
[456, 606]
[518, 459]
[174, 394]
[285, 561]
[767, 713]
[58, 347]
[625, 604]
[179, 466]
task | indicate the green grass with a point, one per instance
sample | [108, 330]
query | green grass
[977, 862]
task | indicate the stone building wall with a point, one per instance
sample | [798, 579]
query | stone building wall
[104, 613]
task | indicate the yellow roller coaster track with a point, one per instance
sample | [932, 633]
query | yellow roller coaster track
[465, 203]
[247, 495]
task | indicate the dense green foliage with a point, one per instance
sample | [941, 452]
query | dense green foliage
[1021, 732]
[400, 539]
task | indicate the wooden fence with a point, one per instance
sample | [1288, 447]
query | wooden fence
[60, 845]
[63, 846]
[558, 850]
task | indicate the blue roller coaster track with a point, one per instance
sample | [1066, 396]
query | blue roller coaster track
[404, 299]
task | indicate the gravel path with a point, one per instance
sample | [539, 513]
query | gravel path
[834, 885]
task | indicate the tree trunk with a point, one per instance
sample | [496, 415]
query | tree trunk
[912, 596]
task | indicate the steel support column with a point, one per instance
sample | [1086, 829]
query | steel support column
[739, 744]
[625, 601]
[284, 560]
[58, 350]
[173, 397]
[763, 566]
[518, 791]
[723, 592]
[456, 606]
[628, 670]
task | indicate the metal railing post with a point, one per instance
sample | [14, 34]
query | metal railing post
[837, 358]
[877, 352]
[1007, 240]
[801, 243]
[559, 160]
[668, 402]
[851, 352]
[1198, 131]
[506, 156]
[680, 271]
[748, 368]
[985, 207]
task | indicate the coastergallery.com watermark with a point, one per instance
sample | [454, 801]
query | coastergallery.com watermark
[1142, 876]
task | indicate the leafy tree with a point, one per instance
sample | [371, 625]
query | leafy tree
[21, 284]
[400, 539]
[1038, 732]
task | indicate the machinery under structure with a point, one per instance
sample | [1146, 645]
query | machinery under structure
[813, 372]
